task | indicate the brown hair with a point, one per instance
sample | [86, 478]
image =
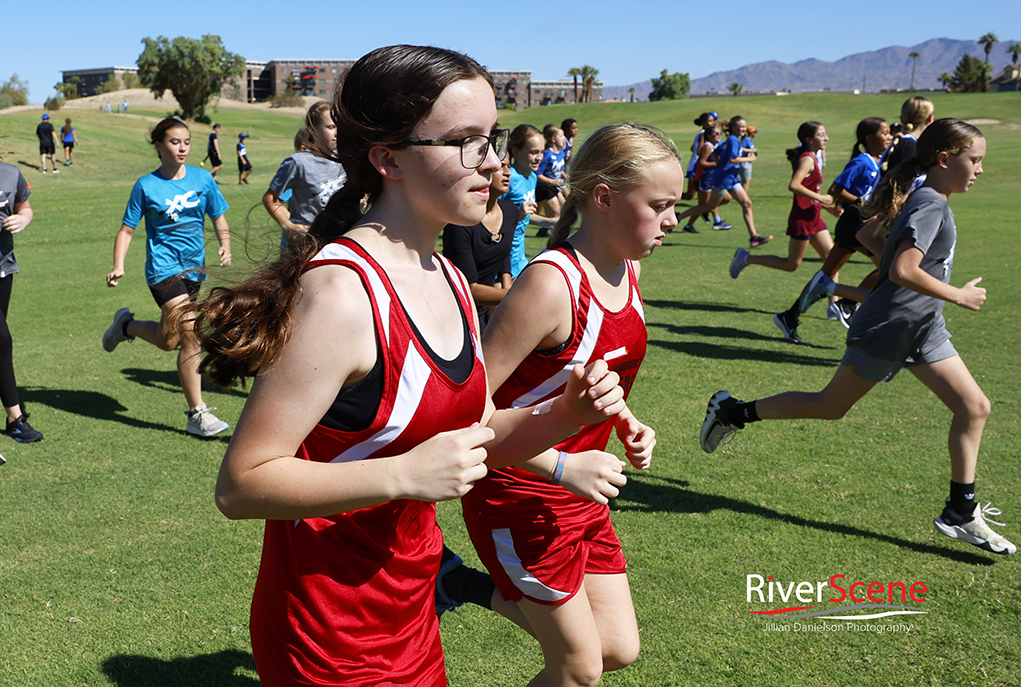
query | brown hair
[869, 126]
[616, 155]
[520, 136]
[312, 119]
[805, 131]
[159, 132]
[382, 98]
[66, 129]
[951, 136]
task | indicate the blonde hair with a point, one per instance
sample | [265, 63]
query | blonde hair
[914, 112]
[950, 136]
[616, 155]
[313, 117]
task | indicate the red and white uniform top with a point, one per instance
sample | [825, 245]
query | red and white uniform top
[349, 599]
[618, 337]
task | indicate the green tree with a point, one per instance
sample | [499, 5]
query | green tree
[988, 41]
[914, 58]
[69, 88]
[109, 86]
[130, 80]
[735, 87]
[574, 72]
[13, 92]
[670, 86]
[946, 79]
[970, 76]
[1015, 52]
[588, 75]
[193, 70]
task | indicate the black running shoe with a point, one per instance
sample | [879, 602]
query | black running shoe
[790, 331]
[22, 432]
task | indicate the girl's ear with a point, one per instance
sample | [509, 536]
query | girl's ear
[382, 159]
[942, 159]
[602, 197]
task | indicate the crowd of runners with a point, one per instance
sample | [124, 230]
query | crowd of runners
[388, 377]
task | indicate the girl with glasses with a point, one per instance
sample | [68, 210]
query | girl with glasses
[370, 400]
[545, 533]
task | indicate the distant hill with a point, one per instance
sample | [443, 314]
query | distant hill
[887, 68]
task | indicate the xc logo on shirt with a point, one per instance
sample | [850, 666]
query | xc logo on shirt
[179, 203]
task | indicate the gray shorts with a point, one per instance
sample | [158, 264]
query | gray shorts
[876, 369]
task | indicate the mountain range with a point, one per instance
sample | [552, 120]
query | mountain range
[869, 72]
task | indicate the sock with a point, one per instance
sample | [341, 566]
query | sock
[124, 328]
[741, 413]
[793, 314]
[962, 498]
[717, 220]
[467, 584]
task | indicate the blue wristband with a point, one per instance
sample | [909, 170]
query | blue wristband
[558, 471]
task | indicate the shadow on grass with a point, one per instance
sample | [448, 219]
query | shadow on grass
[704, 306]
[95, 405]
[167, 380]
[29, 164]
[209, 669]
[652, 494]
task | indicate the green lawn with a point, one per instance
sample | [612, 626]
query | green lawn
[116, 568]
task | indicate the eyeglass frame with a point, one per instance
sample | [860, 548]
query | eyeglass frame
[459, 142]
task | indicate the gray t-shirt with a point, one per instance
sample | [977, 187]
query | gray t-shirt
[13, 190]
[894, 322]
[312, 180]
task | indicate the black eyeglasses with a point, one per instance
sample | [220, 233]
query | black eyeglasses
[473, 148]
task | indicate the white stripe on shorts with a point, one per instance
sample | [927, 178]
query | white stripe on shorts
[523, 580]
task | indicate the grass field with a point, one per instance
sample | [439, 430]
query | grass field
[116, 568]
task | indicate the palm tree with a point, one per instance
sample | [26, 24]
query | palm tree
[575, 72]
[735, 88]
[631, 91]
[946, 79]
[1015, 52]
[988, 41]
[914, 58]
[588, 77]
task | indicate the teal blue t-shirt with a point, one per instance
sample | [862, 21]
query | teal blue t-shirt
[174, 212]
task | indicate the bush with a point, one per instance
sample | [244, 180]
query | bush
[286, 99]
[54, 103]
[130, 80]
[108, 86]
[13, 92]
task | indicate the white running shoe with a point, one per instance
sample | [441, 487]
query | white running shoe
[975, 531]
[202, 422]
[714, 430]
[115, 332]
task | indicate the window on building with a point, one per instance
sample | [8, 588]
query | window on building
[322, 70]
[335, 70]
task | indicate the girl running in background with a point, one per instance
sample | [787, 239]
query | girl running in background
[851, 189]
[749, 149]
[526, 153]
[174, 201]
[804, 224]
[482, 251]
[15, 215]
[370, 392]
[570, 129]
[545, 534]
[916, 114]
[726, 181]
[706, 163]
[706, 120]
[312, 176]
[901, 325]
[549, 191]
[70, 139]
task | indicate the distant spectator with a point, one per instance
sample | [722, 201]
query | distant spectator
[749, 149]
[213, 150]
[244, 166]
[47, 143]
[706, 120]
[552, 178]
[70, 141]
[125, 105]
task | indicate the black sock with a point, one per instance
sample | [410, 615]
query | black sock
[741, 413]
[962, 498]
[467, 584]
[124, 327]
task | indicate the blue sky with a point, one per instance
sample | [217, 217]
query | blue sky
[627, 41]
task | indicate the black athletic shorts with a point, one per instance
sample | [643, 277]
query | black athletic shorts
[846, 231]
[169, 289]
[544, 192]
[214, 158]
[46, 148]
[244, 165]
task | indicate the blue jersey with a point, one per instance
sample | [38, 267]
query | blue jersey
[860, 176]
[727, 173]
[174, 212]
[552, 165]
[521, 189]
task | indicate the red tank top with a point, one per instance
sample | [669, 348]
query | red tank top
[348, 599]
[619, 338]
[805, 219]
